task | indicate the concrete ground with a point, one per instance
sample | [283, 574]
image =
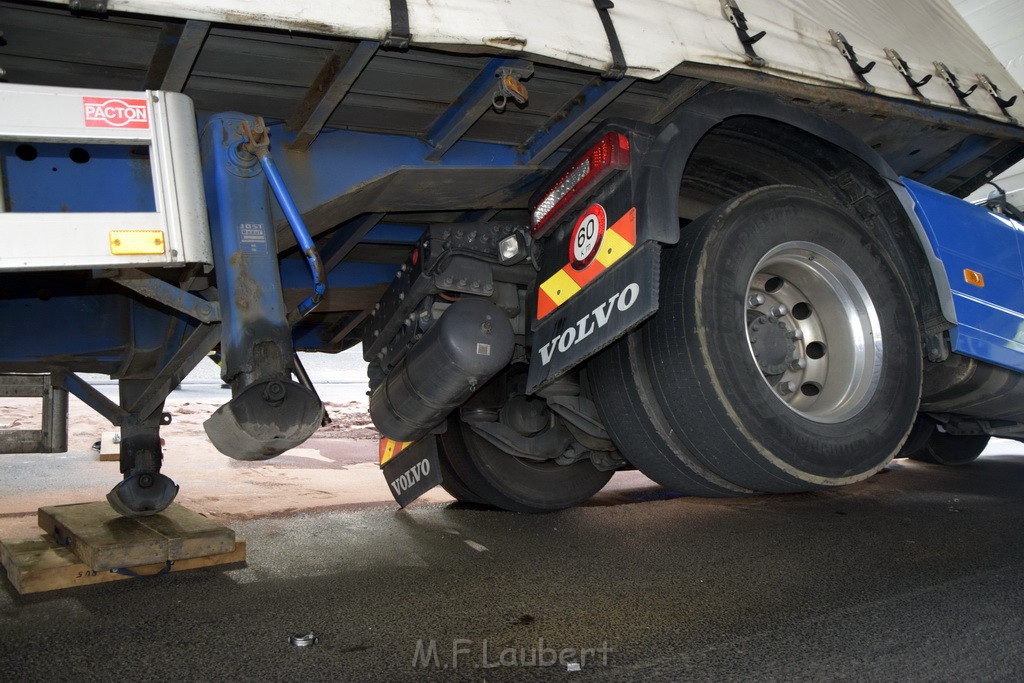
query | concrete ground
[915, 574]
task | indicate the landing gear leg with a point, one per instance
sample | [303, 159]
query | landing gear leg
[144, 490]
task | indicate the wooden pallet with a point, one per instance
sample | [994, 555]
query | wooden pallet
[110, 446]
[103, 539]
[90, 543]
[38, 564]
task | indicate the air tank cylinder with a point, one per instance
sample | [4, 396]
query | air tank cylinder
[469, 344]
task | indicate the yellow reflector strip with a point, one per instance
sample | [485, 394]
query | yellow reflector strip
[560, 287]
[613, 248]
[390, 448]
[136, 242]
[973, 277]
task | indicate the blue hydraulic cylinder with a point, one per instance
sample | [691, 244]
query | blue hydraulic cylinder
[245, 254]
[268, 412]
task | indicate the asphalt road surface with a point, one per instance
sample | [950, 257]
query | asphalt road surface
[917, 574]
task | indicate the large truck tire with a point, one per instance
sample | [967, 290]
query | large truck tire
[784, 356]
[493, 477]
[623, 393]
[942, 448]
[451, 482]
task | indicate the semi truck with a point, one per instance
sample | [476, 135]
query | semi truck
[723, 242]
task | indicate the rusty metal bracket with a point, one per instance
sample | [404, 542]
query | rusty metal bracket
[993, 90]
[903, 68]
[732, 12]
[954, 83]
[332, 84]
[850, 55]
[256, 137]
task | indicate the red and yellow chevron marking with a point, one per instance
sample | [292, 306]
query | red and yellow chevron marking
[389, 448]
[563, 285]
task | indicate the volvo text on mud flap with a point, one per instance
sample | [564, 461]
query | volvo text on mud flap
[596, 316]
[413, 471]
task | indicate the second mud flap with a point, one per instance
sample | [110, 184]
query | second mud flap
[414, 471]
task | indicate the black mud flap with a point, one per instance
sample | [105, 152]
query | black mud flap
[603, 311]
[414, 471]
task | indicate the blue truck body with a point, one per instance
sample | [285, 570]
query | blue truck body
[989, 310]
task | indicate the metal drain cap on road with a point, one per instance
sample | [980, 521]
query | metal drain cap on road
[303, 640]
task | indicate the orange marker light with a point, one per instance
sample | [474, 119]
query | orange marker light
[973, 277]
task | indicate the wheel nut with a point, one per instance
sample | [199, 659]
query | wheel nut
[755, 300]
[798, 364]
[795, 335]
[779, 311]
[786, 388]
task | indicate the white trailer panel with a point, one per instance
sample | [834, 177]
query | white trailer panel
[659, 35]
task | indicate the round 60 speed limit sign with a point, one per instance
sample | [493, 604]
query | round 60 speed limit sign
[587, 236]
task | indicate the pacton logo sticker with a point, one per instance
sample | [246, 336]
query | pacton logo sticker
[114, 112]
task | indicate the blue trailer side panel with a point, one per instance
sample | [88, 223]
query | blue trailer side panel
[78, 178]
[982, 256]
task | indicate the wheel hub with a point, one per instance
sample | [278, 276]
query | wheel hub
[813, 331]
[771, 341]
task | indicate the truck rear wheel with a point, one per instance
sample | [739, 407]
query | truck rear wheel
[494, 477]
[784, 356]
[451, 482]
[942, 448]
[621, 377]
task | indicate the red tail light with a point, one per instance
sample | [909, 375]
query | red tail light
[611, 153]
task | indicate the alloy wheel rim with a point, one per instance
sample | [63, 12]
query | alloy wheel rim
[813, 332]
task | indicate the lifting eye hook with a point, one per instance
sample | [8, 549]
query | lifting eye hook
[510, 85]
